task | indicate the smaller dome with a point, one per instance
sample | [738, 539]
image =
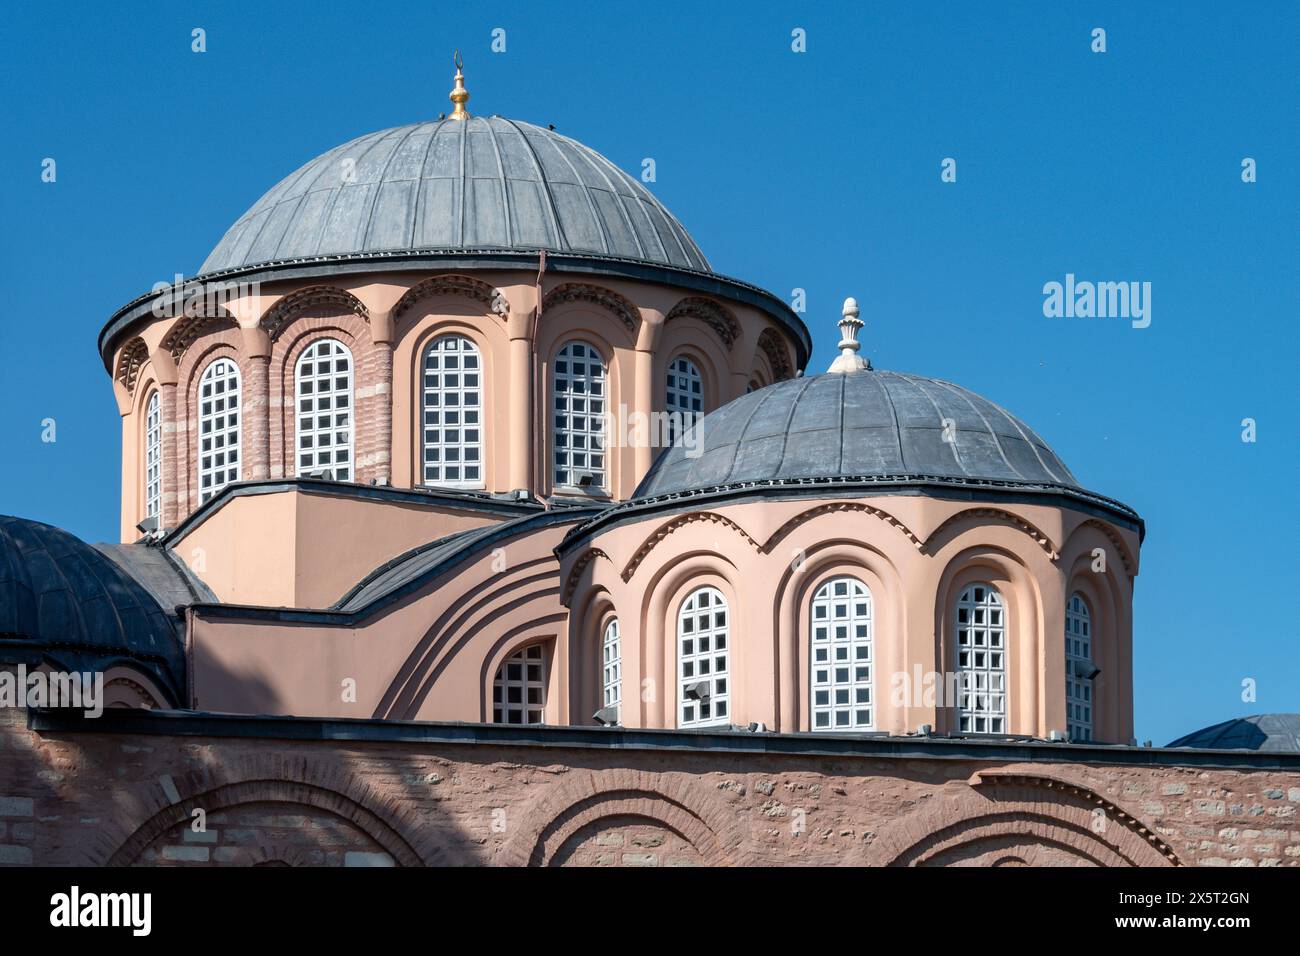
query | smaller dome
[1272, 733]
[865, 425]
[65, 603]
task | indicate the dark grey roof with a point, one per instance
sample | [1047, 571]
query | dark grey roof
[866, 424]
[485, 183]
[66, 603]
[161, 573]
[1276, 733]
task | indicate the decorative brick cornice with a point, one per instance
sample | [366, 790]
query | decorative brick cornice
[587, 557]
[706, 310]
[997, 804]
[467, 286]
[594, 295]
[681, 521]
[839, 506]
[134, 354]
[187, 330]
[986, 778]
[769, 343]
[997, 514]
[1121, 548]
[279, 315]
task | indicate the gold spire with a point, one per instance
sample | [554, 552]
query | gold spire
[459, 96]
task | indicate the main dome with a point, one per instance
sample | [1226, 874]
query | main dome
[484, 183]
[865, 425]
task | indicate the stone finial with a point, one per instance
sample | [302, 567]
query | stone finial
[849, 360]
[459, 96]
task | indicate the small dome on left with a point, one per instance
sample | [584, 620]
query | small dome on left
[65, 603]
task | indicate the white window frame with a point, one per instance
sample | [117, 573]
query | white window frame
[980, 619]
[219, 426]
[452, 408]
[578, 418]
[1080, 696]
[329, 429]
[840, 657]
[611, 667]
[153, 456]
[698, 623]
[683, 396]
[520, 687]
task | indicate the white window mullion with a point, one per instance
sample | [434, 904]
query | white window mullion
[153, 457]
[703, 657]
[840, 660]
[219, 409]
[324, 410]
[1078, 687]
[612, 667]
[453, 413]
[981, 661]
[579, 417]
[684, 396]
[519, 691]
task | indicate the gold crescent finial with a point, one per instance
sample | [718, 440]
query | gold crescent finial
[459, 96]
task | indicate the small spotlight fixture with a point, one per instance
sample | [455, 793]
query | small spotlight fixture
[700, 690]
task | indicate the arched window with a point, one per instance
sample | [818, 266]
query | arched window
[703, 660]
[611, 672]
[685, 396]
[324, 383]
[579, 417]
[981, 661]
[519, 691]
[453, 413]
[840, 656]
[1078, 668]
[218, 427]
[153, 457]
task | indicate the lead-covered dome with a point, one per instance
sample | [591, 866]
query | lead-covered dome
[68, 604]
[485, 183]
[865, 425]
[1273, 733]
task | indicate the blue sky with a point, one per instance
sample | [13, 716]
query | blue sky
[819, 171]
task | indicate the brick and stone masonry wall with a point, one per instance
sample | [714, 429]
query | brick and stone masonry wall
[124, 797]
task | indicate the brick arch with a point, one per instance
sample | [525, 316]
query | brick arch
[331, 788]
[996, 804]
[606, 299]
[663, 531]
[131, 359]
[669, 800]
[316, 301]
[1122, 549]
[458, 285]
[939, 537]
[720, 319]
[804, 517]
[190, 329]
[587, 558]
[778, 358]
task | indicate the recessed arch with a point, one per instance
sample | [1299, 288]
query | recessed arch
[586, 796]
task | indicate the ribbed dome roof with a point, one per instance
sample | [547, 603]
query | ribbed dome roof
[1275, 733]
[479, 184]
[62, 600]
[867, 424]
